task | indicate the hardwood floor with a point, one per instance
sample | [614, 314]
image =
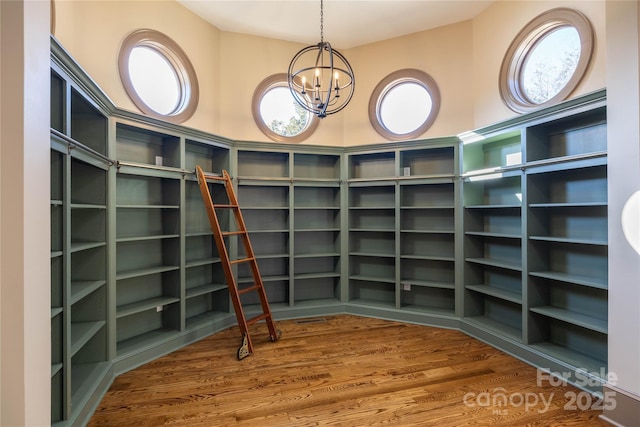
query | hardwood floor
[344, 371]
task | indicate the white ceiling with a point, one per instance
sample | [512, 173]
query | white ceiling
[347, 23]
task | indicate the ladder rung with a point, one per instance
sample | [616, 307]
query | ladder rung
[246, 290]
[214, 177]
[258, 318]
[226, 206]
[238, 261]
[233, 233]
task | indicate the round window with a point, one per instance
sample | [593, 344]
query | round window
[404, 105]
[277, 113]
[150, 70]
[158, 76]
[547, 60]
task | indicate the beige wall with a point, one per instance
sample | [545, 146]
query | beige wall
[464, 59]
[444, 53]
[247, 60]
[92, 31]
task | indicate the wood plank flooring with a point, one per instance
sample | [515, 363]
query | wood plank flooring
[341, 371]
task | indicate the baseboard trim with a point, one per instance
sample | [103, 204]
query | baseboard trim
[625, 412]
[531, 356]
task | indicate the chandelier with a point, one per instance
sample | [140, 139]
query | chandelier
[320, 78]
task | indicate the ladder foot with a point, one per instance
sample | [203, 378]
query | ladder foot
[278, 335]
[243, 351]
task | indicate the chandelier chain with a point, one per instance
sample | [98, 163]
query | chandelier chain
[321, 22]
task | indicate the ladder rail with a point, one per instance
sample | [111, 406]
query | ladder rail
[243, 323]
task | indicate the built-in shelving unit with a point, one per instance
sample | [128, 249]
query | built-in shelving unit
[264, 194]
[206, 294]
[146, 147]
[316, 229]
[87, 275]
[58, 348]
[504, 237]
[148, 243]
[372, 236]
[567, 238]
[493, 269]
[402, 228]
[291, 205]
[79, 274]
[427, 246]
[535, 245]
[148, 253]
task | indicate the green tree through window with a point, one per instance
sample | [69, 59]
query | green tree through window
[294, 126]
[277, 113]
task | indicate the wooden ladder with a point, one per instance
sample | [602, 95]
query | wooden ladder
[246, 346]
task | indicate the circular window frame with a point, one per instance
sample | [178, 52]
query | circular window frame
[269, 83]
[394, 79]
[177, 59]
[510, 80]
